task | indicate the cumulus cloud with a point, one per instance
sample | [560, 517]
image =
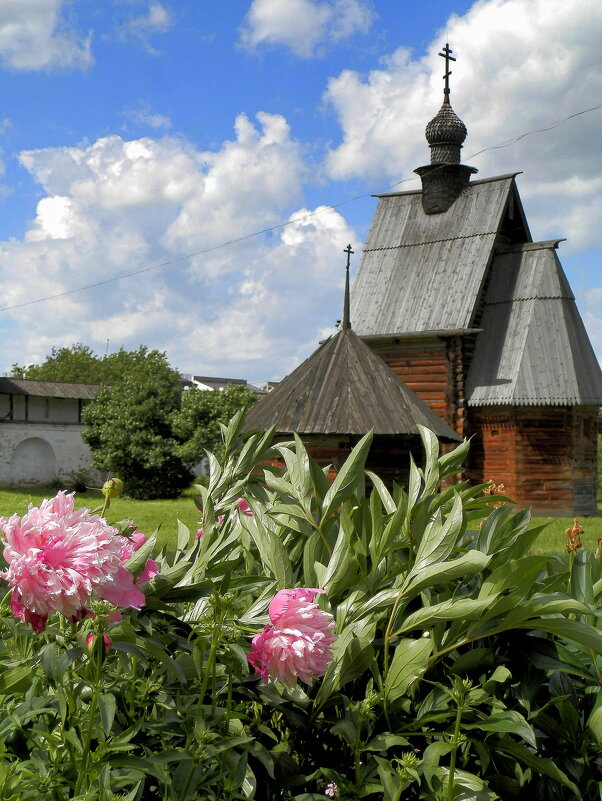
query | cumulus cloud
[118, 206]
[307, 27]
[35, 36]
[521, 65]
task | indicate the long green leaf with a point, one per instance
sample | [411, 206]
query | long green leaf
[409, 663]
[347, 478]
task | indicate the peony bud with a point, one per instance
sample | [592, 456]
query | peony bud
[112, 487]
[91, 639]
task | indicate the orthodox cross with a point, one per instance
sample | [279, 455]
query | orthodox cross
[447, 55]
[345, 323]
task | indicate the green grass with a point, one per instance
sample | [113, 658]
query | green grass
[553, 540]
[148, 515]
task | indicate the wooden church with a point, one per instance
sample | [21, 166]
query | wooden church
[342, 391]
[480, 322]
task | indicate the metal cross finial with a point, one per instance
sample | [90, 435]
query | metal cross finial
[447, 55]
[345, 322]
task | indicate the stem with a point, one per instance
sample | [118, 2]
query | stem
[356, 752]
[105, 506]
[83, 772]
[452, 761]
[571, 560]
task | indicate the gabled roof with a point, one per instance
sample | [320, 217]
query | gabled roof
[424, 272]
[48, 389]
[534, 349]
[344, 388]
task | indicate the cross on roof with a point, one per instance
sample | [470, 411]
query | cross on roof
[447, 55]
[345, 323]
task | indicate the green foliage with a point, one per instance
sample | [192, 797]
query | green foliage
[197, 422]
[466, 668]
[80, 364]
[128, 427]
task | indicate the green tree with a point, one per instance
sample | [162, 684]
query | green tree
[77, 363]
[197, 422]
[129, 426]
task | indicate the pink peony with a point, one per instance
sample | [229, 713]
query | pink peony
[59, 558]
[298, 644]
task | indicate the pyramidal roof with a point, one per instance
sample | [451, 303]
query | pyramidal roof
[534, 349]
[344, 388]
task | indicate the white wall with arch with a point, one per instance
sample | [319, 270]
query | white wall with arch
[38, 453]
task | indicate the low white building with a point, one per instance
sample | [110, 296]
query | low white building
[40, 432]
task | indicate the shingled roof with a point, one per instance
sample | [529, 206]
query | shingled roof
[343, 388]
[422, 272]
[48, 389]
[534, 349]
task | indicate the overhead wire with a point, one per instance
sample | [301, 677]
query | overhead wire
[284, 224]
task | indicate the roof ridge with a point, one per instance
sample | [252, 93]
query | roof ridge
[430, 242]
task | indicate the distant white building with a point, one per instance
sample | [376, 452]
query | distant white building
[40, 432]
[207, 383]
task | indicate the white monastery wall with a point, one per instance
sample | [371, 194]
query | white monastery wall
[46, 446]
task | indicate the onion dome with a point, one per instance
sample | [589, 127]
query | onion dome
[445, 134]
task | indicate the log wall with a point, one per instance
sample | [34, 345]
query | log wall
[432, 367]
[544, 455]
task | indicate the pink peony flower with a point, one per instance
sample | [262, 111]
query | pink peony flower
[59, 558]
[298, 644]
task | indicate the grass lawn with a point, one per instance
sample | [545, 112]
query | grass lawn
[148, 515]
[151, 514]
[553, 540]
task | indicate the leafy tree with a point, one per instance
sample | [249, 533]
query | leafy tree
[129, 426]
[197, 422]
[76, 363]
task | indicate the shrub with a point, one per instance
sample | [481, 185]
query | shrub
[465, 667]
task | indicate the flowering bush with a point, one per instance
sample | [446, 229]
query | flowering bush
[323, 641]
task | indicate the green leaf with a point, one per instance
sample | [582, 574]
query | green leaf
[431, 468]
[188, 592]
[454, 609]
[572, 630]
[137, 561]
[272, 551]
[16, 680]
[439, 538]
[385, 495]
[594, 721]
[505, 721]
[442, 572]
[107, 706]
[183, 536]
[185, 780]
[541, 765]
[409, 663]
[347, 478]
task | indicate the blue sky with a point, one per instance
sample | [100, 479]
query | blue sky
[135, 133]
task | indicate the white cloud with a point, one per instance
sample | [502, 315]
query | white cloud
[34, 36]
[140, 29]
[521, 65]
[144, 116]
[307, 27]
[253, 309]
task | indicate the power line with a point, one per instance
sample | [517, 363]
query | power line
[296, 219]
